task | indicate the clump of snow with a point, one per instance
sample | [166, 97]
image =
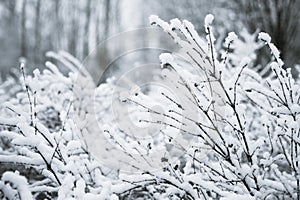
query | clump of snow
[153, 19]
[208, 21]
[176, 23]
[274, 50]
[19, 182]
[166, 58]
[264, 36]
[230, 38]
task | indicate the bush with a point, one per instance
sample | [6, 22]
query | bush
[227, 132]
[39, 124]
[217, 129]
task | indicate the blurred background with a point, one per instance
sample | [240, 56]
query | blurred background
[30, 28]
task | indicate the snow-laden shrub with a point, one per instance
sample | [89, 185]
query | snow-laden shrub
[245, 45]
[224, 132]
[14, 186]
[40, 128]
[216, 129]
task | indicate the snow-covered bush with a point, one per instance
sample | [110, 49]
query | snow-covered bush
[14, 186]
[224, 132]
[39, 124]
[210, 127]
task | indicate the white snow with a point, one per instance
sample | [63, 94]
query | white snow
[238, 196]
[264, 36]
[166, 58]
[176, 23]
[230, 38]
[208, 21]
[20, 182]
[153, 19]
[182, 104]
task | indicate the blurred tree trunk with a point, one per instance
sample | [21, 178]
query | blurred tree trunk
[103, 54]
[107, 18]
[23, 30]
[57, 25]
[86, 28]
[74, 29]
[98, 38]
[11, 7]
[118, 15]
[37, 33]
